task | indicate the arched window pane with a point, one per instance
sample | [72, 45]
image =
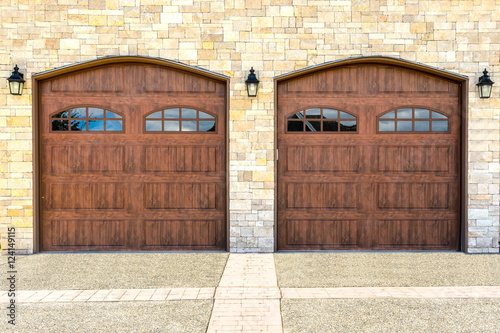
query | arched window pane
[348, 126]
[345, 115]
[413, 120]
[189, 126]
[96, 113]
[63, 114]
[421, 113]
[110, 114]
[313, 113]
[153, 125]
[321, 120]
[180, 120]
[330, 114]
[84, 118]
[404, 126]
[421, 126]
[439, 126]
[404, 114]
[78, 125]
[114, 125]
[330, 126]
[188, 113]
[386, 126]
[171, 126]
[78, 113]
[172, 113]
[207, 126]
[60, 125]
[389, 115]
[298, 115]
[96, 125]
[156, 115]
[204, 115]
[295, 126]
[313, 126]
[436, 115]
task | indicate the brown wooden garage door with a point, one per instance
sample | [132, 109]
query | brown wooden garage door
[132, 158]
[368, 159]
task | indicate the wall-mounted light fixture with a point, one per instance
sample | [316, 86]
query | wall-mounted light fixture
[252, 84]
[16, 82]
[484, 85]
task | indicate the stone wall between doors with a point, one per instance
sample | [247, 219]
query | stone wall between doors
[229, 37]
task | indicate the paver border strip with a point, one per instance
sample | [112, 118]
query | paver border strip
[247, 293]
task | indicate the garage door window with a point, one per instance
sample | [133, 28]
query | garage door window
[85, 118]
[413, 120]
[321, 120]
[179, 120]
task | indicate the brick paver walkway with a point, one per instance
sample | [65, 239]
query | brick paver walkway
[235, 293]
[248, 297]
[111, 295]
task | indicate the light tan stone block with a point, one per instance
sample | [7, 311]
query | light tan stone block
[69, 44]
[238, 115]
[19, 193]
[244, 205]
[259, 22]
[19, 183]
[78, 19]
[21, 167]
[287, 11]
[253, 4]
[263, 176]
[18, 121]
[19, 145]
[116, 21]
[208, 45]
[98, 20]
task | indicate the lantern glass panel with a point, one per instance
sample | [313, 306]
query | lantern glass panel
[485, 91]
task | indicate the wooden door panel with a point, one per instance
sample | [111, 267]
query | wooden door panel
[413, 159]
[171, 81]
[88, 159]
[322, 196]
[423, 233]
[133, 190]
[180, 196]
[325, 233]
[86, 196]
[400, 80]
[181, 159]
[98, 80]
[180, 233]
[368, 189]
[413, 196]
[304, 159]
[77, 233]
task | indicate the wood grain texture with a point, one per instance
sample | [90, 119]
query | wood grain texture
[368, 190]
[132, 190]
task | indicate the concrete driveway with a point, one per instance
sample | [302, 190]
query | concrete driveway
[283, 292]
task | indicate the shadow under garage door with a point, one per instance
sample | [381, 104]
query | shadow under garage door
[368, 159]
[132, 158]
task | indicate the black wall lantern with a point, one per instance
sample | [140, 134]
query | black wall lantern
[16, 82]
[484, 85]
[252, 84]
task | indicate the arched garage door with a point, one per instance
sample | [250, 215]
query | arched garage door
[132, 158]
[368, 159]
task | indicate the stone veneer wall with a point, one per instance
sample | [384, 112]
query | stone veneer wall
[228, 37]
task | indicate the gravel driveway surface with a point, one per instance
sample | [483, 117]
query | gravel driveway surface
[386, 269]
[52, 271]
[172, 316]
[391, 315]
